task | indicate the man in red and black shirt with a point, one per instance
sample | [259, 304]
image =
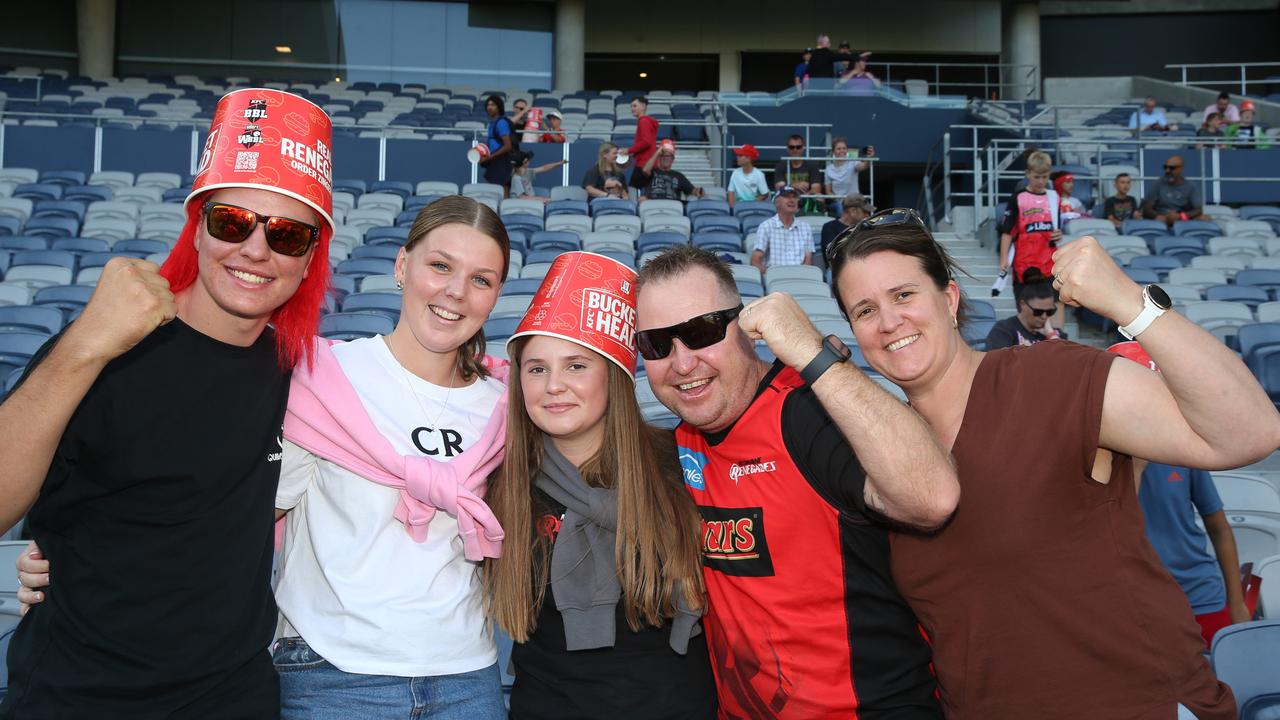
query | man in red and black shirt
[794, 480]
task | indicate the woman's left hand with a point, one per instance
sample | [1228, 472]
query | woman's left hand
[1085, 276]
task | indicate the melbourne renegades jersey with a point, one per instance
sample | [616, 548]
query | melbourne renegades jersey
[804, 620]
[1031, 222]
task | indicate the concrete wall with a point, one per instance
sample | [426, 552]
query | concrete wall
[1086, 91]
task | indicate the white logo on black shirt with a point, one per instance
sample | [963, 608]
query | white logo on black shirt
[279, 454]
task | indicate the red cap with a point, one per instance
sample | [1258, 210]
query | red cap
[1247, 105]
[747, 150]
[588, 299]
[269, 140]
[1064, 177]
[1132, 350]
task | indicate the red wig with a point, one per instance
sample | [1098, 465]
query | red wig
[296, 321]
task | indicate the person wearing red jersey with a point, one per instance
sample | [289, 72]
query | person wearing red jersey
[1031, 218]
[796, 468]
[646, 142]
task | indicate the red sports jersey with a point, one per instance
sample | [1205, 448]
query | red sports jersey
[804, 621]
[1031, 221]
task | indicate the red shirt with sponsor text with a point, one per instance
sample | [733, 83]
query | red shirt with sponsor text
[1030, 219]
[804, 620]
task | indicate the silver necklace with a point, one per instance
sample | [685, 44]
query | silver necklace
[413, 393]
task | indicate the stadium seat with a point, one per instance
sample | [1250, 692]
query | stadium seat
[580, 225]
[88, 193]
[436, 187]
[1246, 248]
[159, 180]
[349, 326]
[1244, 228]
[139, 247]
[1245, 657]
[566, 207]
[523, 223]
[68, 298]
[707, 207]
[18, 243]
[354, 188]
[1183, 248]
[535, 270]
[1144, 228]
[500, 328]
[520, 206]
[601, 207]
[791, 272]
[59, 208]
[383, 303]
[30, 318]
[113, 179]
[394, 187]
[1228, 265]
[749, 289]
[388, 202]
[1203, 229]
[1268, 280]
[1143, 276]
[481, 191]
[746, 272]
[658, 240]
[555, 240]
[396, 236]
[1090, 226]
[629, 224]
[761, 208]
[385, 251]
[511, 305]
[52, 227]
[662, 222]
[1269, 570]
[1124, 248]
[649, 208]
[1199, 278]
[115, 209]
[1247, 492]
[17, 347]
[718, 241]
[360, 267]
[979, 310]
[1218, 317]
[1251, 296]
[569, 193]
[374, 283]
[599, 241]
[975, 332]
[798, 287]
[36, 192]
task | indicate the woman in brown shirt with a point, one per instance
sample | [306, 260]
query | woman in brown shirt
[1042, 597]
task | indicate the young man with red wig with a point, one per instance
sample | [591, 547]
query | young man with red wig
[147, 435]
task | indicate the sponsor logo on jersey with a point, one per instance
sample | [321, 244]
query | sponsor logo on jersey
[278, 455]
[754, 466]
[692, 463]
[1039, 226]
[734, 542]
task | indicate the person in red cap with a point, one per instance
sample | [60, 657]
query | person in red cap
[599, 583]
[1171, 498]
[659, 182]
[746, 183]
[147, 434]
[1069, 207]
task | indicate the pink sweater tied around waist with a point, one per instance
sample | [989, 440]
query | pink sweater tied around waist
[325, 417]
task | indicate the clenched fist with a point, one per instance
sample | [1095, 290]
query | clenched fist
[1086, 276]
[778, 320]
[129, 303]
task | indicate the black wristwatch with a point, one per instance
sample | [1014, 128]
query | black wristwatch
[833, 351]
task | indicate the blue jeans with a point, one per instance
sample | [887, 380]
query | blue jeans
[311, 688]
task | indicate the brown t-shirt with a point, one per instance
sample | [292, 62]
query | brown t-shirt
[1042, 597]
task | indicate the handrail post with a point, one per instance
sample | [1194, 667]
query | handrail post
[1244, 84]
[946, 176]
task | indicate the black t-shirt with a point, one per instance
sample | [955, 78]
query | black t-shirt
[664, 184]
[829, 233]
[822, 63]
[809, 171]
[639, 677]
[1120, 208]
[1010, 332]
[156, 516]
[594, 178]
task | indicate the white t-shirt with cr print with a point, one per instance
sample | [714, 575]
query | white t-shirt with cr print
[352, 582]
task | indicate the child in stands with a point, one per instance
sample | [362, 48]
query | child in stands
[1121, 206]
[1069, 206]
[747, 183]
[523, 172]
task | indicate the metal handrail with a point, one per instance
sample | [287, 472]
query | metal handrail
[1243, 80]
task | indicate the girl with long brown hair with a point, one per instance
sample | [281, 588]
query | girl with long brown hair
[599, 583]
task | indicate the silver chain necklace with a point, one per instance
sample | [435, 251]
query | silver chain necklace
[409, 386]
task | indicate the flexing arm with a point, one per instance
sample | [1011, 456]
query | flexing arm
[910, 477]
[1205, 410]
[1224, 547]
[130, 301]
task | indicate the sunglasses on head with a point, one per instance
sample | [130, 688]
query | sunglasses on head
[696, 333]
[1042, 313]
[233, 224]
[885, 218]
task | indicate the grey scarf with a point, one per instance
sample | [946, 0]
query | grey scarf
[584, 576]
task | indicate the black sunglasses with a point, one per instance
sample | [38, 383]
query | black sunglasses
[1042, 313]
[795, 147]
[696, 333]
[233, 224]
[1172, 167]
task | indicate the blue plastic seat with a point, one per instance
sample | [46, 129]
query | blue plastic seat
[521, 286]
[406, 218]
[707, 207]
[341, 286]
[30, 318]
[521, 221]
[88, 193]
[1144, 228]
[82, 245]
[16, 243]
[140, 247]
[718, 241]
[500, 328]
[1161, 264]
[363, 267]
[716, 223]
[59, 208]
[10, 225]
[17, 347]
[1182, 247]
[979, 310]
[64, 297]
[1251, 296]
[626, 258]
[355, 187]
[383, 303]
[1245, 656]
[349, 326]
[1202, 229]
[1142, 276]
[65, 178]
[542, 256]
[98, 259]
[658, 241]
[1255, 336]
[384, 251]
[560, 240]
[763, 208]
[57, 258]
[566, 207]
[749, 288]
[38, 191]
[612, 206]
[395, 187]
[52, 227]
[1268, 280]
[396, 236]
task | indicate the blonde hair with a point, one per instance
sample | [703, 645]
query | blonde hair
[1039, 162]
[465, 211]
[604, 166]
[657, 531]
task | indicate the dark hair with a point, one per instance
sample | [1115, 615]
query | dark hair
[1224, 96]
[465, 211]
[682, 258]
[796, 137]
[497, 100]
[1122, 175]
[642, 100]
[1041, 288]
[1211, 116]
[905, 239]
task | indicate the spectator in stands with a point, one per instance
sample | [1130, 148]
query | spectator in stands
[1121, 206]
[646, 142]
[1212, 128]
[1037, 305]
[747, 183]
[783, 239]
[146, 436]
[520, 108]
[844, 57]
[1172, 198]
[497, 164]
[822, 65]
[523, 173]
[854, 208]
[858, 78]
[1031, 220]
[1150, 118]
[1171, 497]
[803, 175]
[774, 457]
[1094, 609]
[659, 182]
[841, 174]
[1069, 207]
[1224, 107]
[553, 134]
[1246, 135]
[596, 180]
[802, 70]
[600, 579]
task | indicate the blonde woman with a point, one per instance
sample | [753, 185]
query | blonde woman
[597, 180]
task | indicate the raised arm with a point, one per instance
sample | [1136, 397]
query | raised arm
[910, 477]
[130, 301]
[1205, 409]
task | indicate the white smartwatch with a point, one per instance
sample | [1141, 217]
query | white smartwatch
[1155, 301]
